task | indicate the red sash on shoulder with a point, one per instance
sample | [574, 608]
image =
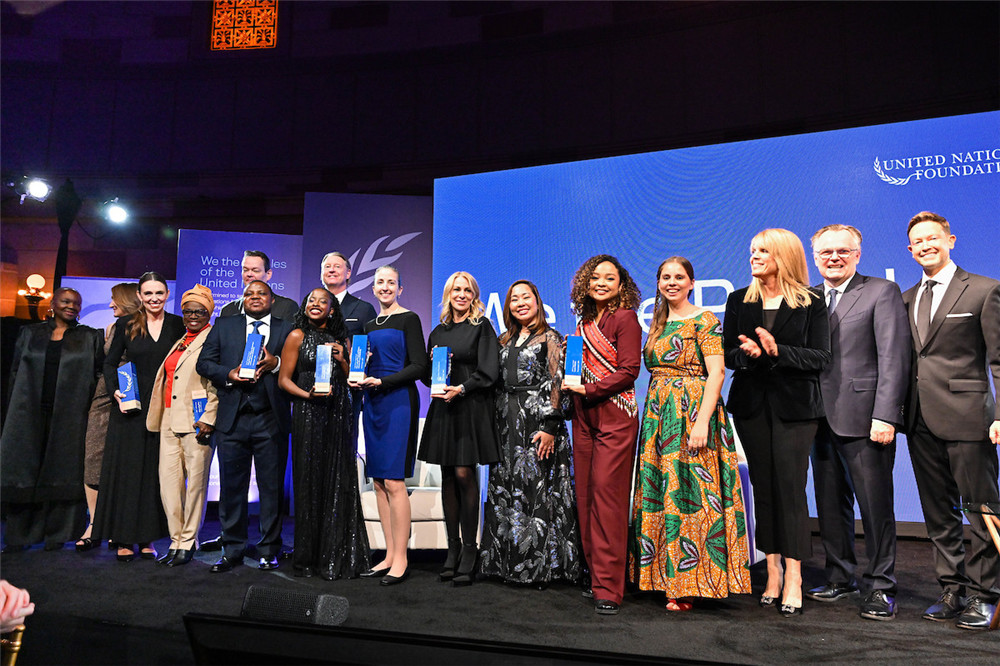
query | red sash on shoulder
[600, 359]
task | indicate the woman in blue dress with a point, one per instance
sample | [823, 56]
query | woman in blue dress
[391, 410]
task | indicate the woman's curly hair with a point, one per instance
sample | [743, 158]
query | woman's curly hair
[334, 321]
[584, 306]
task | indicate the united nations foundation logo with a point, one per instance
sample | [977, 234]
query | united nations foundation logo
[374, 257]
[899, 171]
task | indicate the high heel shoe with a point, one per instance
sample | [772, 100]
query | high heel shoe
[466, 566]
[84, 544]
[450, 562]
[788, 610]
[766, 601]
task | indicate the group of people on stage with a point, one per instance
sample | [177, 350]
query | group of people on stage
[829, 372]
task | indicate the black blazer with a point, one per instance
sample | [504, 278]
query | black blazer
[356, 314]
[789, 384]
[223, 351]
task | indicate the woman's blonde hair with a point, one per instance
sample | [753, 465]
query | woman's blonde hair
[477, 309]
[793, 271]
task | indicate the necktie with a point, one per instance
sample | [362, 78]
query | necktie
[256, 326]
[924, 311]
[833, 301]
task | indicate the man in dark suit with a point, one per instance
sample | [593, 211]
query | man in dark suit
[863, 388]
[952, 418]
[336, 275]
[257, 266]
[251, 425]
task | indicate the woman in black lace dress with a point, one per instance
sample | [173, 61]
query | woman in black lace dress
[530, 532]
[330, 537]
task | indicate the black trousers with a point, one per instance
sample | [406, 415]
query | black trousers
[257, 439]
[947, 473]
[845, 468]
[778, 460]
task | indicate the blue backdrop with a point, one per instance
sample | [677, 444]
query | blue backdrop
[706, 203]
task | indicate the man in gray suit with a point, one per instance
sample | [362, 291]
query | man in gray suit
[952, 418]
[863, 388]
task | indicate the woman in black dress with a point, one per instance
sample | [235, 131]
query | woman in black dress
[124, 301]
[530, 531]
[128, 507]
[459, 432]
[330, 536]
[776, 338]
[52, 376]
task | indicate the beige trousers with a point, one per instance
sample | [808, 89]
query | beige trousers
[184, 468]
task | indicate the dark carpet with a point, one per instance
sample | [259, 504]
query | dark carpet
[94, 610]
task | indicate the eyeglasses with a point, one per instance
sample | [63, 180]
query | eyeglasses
[194, 313]
[829, 254]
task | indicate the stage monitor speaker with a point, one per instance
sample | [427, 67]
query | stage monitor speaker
[274, 603]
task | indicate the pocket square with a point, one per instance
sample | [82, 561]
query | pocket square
[355, 318]
[959, 314]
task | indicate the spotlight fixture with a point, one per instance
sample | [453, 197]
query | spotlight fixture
[30, 187]
[114, 212]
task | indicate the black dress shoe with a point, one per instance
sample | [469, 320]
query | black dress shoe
[211, 545]
[303, 572]
[788, 610]
[375, 573]
[832, 592]
[166, 558]
[181, 558]
[225, 564]
[394, 580]
[587, 593]
[977, 615]
[466, 566]
[878, 606]
[268, 563]
[948, 606]
[606, 607]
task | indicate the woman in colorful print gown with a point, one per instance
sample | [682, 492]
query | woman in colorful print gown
[689, 530]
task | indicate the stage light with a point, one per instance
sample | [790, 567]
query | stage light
[115, 212]
[29, 187]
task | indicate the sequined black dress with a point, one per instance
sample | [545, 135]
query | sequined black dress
[330, 535]
[530, 530]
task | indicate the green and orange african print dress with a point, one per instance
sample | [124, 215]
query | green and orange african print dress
[688, 534]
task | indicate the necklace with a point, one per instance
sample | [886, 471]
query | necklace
[391, 312]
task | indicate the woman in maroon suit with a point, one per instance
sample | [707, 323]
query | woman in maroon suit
[605, 420]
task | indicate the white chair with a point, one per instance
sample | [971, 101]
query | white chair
[427, 529]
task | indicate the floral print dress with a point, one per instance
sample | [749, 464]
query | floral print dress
[688, 534]
[530, 529]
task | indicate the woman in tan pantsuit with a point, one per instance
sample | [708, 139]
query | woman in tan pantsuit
[185, 454]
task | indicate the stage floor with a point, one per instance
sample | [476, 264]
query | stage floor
[93, 610]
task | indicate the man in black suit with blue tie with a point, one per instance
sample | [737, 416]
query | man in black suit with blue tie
[252, 425]
[953, 420]
[863, 388]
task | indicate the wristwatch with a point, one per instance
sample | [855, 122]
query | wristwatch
[461, 389]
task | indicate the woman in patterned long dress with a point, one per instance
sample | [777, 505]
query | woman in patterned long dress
[330, 536]
[530, 532]
[689, 530]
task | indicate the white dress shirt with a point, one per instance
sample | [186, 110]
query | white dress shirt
[942, 280]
